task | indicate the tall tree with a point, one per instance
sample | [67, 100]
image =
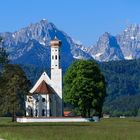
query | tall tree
[3, 55]
[84, 87]
[3, 61]
[15, 88]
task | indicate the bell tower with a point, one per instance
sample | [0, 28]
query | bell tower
[55, 53]
[56, 74]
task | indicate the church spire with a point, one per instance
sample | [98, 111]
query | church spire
[55, 53]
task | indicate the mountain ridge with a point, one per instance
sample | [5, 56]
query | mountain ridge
[30, 45]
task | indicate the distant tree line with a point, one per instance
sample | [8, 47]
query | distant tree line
[123, 87]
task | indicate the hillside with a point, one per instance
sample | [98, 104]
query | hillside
[123, 87]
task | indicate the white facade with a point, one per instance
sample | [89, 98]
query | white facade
[45, 98]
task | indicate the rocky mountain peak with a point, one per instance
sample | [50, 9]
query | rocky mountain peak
[105, 37]
[106, 49]
[129, 42]
[30, 45]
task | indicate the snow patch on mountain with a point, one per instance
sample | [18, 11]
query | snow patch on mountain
[128, 57]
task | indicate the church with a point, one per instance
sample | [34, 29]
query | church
[45, 98]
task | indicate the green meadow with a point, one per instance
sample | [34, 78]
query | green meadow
[106, 129]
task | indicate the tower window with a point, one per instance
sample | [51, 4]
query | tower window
[52, 57]
[56, 57]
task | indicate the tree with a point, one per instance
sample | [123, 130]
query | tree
[84, 87]
[3, 61]
[3, 56]
[16, 86]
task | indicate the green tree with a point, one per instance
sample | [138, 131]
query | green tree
[3, 61]
[16, 86]
[3, 55]
[84, 87]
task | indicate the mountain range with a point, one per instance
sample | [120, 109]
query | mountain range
[30, 45]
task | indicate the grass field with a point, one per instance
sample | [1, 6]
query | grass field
[106, 129]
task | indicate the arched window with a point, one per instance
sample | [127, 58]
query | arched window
[43, 112]
[31, 113]
[56, 57]
[52, 57]
[36, 112]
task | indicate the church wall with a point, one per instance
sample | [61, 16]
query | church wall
[56, 77]
[38, 104]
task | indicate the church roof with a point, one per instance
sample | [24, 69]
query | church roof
[55, 38]
[43, 88]
[43, 85]
[55, 42]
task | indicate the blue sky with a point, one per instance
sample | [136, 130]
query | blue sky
[83, 20]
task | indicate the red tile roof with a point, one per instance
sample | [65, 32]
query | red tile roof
[43, 88]
[67, 113]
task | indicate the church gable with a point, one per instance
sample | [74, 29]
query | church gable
[43, 88]
[43, 84]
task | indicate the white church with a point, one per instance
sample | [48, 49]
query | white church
[44, 102]
[45, 98]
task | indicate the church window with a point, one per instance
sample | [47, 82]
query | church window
[43, 112]
[37, 100]
[31, 112]
[30, 97]
[43, 99]
[36, 111]
[50, 100]
[56, 57]
[52, 57]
